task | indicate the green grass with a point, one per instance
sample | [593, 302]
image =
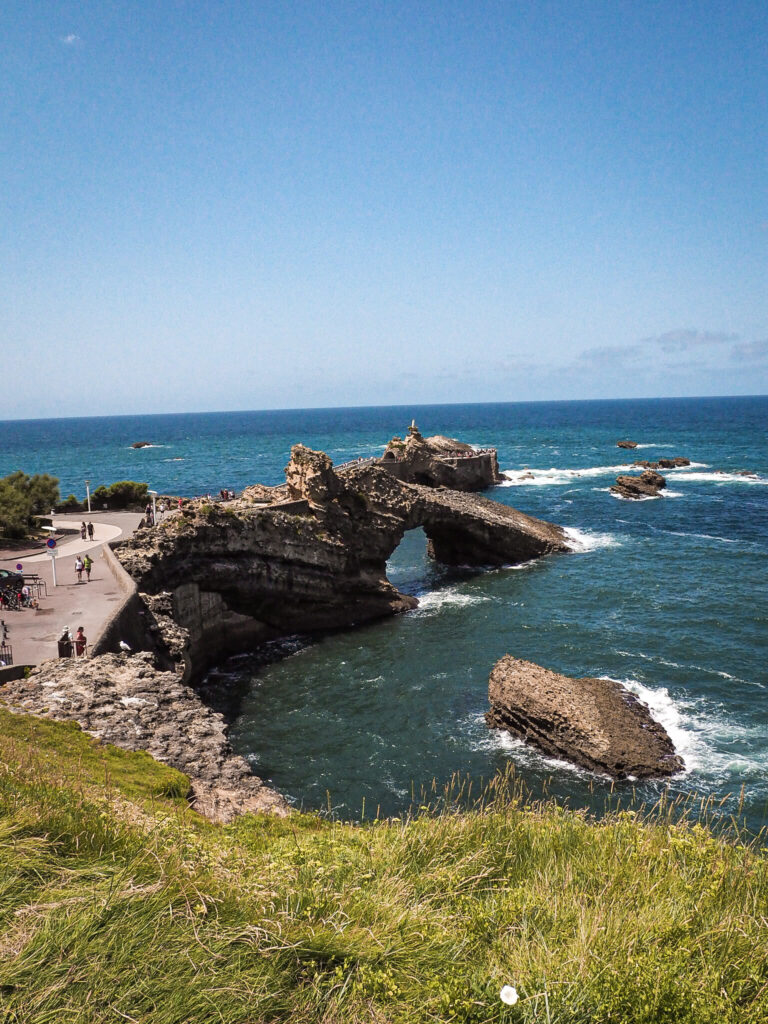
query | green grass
[117, 903]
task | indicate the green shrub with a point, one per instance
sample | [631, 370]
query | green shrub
[22, 497]
[121, 494]
[70, 504]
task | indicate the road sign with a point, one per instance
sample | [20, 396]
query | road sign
[19, 567]
[51, 543]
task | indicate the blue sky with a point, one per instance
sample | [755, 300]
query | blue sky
[283, 204]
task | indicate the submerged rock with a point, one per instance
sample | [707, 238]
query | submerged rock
[141, 444]
[594, 723]
[647, 485]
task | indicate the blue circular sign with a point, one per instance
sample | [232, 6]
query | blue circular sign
[19, 566]
[51, 543]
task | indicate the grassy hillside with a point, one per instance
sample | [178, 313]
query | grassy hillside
[119, 904]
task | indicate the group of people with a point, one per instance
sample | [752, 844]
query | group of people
[86, 530]
[83, 564]
[69, 644]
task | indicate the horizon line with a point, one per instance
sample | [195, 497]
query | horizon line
[399, 405]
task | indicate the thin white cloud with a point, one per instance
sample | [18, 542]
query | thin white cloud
[750, 351]
[684, 340]
[71, 39]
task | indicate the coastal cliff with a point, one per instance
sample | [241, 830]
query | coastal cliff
[218, 578]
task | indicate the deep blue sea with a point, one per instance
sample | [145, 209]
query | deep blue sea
[669, 595]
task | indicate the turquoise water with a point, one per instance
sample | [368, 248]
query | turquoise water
[668, 595]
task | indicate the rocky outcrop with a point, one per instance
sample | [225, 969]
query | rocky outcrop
[222, 578]
[674, 463]
[126, 701]
[647, 485]
[141, 444]
[594, 723]
[626, 444]
[261, 494]
[440, 461]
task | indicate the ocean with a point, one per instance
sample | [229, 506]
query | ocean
[669, 595]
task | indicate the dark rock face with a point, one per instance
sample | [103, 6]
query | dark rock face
[675, 463]
[594, 723]
[126, 701]
[647, 485]
[441, 462]
[218, 579]
[626, 444]
[141, 444]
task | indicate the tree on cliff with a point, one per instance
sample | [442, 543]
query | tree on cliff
[22, 497]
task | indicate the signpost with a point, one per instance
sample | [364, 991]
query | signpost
[88, 494]
[154, 506]
[51, 545]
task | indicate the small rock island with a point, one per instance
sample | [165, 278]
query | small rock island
[594, 723]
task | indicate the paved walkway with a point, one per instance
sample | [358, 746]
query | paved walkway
[33, 634]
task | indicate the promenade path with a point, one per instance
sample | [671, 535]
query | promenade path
[34, 634]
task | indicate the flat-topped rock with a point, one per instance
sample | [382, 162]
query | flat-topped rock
[594, 723]
[626, 444]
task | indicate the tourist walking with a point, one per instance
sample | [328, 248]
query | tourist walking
[90, 531]
[88, 565]
[80, 642]
[79, 566]
[82, 531]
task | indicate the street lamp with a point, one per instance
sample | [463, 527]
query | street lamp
[88, 494]
[154, 506]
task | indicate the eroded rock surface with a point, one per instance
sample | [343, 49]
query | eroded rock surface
[440, 461]
[235, 575]
[674, 463]
[647, 485]
[594, 723]
[626, 444]
[126, 701]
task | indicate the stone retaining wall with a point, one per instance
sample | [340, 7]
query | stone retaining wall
[127, 621]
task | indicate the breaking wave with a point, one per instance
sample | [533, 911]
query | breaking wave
[583, 540]
[723, 750]
[435, 600]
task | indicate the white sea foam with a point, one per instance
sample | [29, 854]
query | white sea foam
[644, 497]
[583, 540]
[144, 446]
[650, 444]
[671, 494]
[524, 753]
[556, 477]
[435, 600]
[700, 536]
[717, 477]
[722, 749]
[665, 710]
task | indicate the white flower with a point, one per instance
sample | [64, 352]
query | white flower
[508, 995]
